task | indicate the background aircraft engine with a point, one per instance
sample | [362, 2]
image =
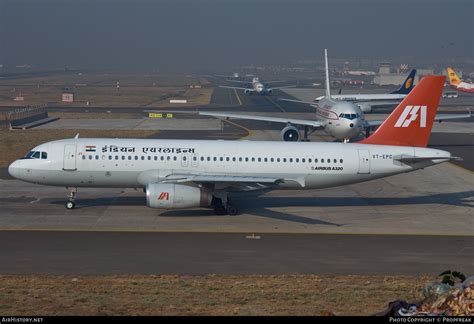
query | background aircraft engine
[169, 195]
[290, 134]
[269, 91]
[365, 107]
[247, 91]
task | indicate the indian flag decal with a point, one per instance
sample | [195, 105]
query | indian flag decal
[90, 148]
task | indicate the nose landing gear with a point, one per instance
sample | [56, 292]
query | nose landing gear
[70, 204]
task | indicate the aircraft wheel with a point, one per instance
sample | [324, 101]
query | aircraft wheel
[232, 210]
[70, 205]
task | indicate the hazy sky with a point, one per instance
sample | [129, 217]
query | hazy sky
[189, 34]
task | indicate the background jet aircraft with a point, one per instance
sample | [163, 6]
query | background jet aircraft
[366, 102]
[343, 120]
[257, 87]
[456, 83]
[194, 173]
[233, 77]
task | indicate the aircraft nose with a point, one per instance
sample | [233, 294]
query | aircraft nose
[14, 169]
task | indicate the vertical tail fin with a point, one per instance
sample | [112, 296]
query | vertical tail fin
[328, 89]
[411, 122]
[453, 77]
[408, 85]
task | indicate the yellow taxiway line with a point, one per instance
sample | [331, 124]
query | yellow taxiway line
[238, 98]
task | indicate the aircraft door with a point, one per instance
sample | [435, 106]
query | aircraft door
[364, 161]
[69, 162]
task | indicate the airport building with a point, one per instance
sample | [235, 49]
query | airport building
[385, 77]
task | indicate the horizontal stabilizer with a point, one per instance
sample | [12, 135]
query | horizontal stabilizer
[415, 159]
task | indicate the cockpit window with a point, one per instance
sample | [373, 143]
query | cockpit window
[36, 155]
[349, 116]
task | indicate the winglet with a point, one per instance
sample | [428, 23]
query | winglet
[328, 89]
[411, 122]
[77, 136]
[408, 85]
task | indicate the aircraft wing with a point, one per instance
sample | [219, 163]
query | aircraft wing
[441, 117]
[298, 101]
[239, 81]
[375, 103]
[239, 88]
[269, 82]
[176, 178]
[438, 117]
[237, 183]
[283, 87]
[304, 122]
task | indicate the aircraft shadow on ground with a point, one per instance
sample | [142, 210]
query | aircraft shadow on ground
[455, 199]
[260, 205]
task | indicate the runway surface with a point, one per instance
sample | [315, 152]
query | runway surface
[106, 253]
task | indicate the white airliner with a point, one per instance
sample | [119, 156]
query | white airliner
[257, 87]
[367, 102]
[341, 119]
[194, 173]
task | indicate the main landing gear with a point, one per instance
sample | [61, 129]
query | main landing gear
[306, 134]
[224, 206]
[70, 204]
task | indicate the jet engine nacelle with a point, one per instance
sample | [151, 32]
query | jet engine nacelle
[365, 107]
[169, 196]
[248, 91]
[290, 134]
[269, 91]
